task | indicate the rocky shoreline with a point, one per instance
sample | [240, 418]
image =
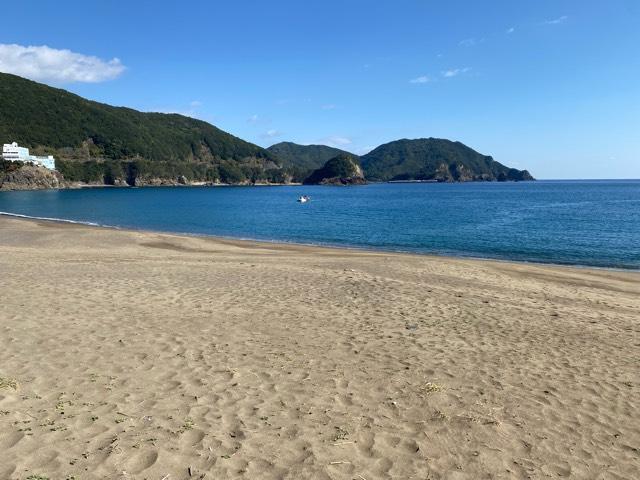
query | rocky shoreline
[30, 177]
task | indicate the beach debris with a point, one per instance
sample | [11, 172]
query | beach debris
[440, 415]
[339, 462]
[341, 434]
[6, 382]
[431, 387]
[188, 424]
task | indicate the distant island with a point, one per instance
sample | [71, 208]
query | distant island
[99, 144]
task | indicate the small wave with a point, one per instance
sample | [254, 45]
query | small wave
[51, 219]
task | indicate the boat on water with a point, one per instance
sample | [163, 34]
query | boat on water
[303, 198]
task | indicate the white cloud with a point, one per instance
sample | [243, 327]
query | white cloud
[47, 64]
[511, 30]
[421, 79]
[556, 21]
[253, 118]
[454, 72]
[329, 106]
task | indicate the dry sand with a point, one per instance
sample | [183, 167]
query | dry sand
[140, 355]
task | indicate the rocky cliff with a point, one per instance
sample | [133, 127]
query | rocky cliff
[30, 177]
[343, 169]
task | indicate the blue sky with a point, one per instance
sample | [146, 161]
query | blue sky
[548, 85]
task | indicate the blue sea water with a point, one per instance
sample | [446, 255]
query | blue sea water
[595, 223]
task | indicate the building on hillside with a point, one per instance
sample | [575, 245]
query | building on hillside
[14, 153]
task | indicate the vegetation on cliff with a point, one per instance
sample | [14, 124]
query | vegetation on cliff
[343, 169]
[101, 144]
[93, 141]
[301, 160]
[435, 159]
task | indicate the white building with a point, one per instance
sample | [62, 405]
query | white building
[14, 153]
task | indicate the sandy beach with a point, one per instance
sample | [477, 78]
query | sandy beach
[131, 355]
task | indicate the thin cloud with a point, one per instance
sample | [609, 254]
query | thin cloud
[253, 118]
[191, 111]
[336, 141]
[470, 42]
[272, 133]
[454, 72]
[511, 30]
[421, 79]
[329, 106]
[556, 21]
[45, 64]
[364, 150]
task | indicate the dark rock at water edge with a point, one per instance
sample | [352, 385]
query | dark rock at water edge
[343, 169]
[30, 177]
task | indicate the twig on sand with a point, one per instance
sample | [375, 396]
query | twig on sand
[166, 476]
[338, 463]
[361, 477]
[27, 414]
[341, 443]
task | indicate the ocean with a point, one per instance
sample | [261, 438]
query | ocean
[590, 223]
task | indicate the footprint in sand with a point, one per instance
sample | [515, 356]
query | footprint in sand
[10, 440]
[7, 470]
[191, 438]
[45, 459]
[140, 461]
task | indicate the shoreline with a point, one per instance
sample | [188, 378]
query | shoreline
[347, 248]
[80, 185]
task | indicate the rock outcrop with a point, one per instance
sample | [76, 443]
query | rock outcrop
[30, 177]
[344, 169]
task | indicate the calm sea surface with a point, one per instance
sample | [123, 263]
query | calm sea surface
[593, 223]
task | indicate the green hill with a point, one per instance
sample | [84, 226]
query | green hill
[94, 141]
[300, 160]
[98, 143]
[309, 157]
[435, 159]
[343, 169]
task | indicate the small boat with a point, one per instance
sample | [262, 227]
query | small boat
[303, 199]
